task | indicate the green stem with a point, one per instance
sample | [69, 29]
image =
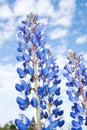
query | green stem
[49, 109]
[36, 89]
[49, 106]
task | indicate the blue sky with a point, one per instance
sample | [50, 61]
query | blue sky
[66, 27]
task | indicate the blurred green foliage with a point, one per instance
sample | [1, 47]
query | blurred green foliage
[12, 126]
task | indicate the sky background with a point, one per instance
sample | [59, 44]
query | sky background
[66, 27]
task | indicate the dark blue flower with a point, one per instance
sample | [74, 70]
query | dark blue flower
[19, 87]
[34, 102]
[21, 125]
[21, 72]
[23, 102]
[30, 70]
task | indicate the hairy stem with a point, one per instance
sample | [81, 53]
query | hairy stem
[82, 90]
[36, 88]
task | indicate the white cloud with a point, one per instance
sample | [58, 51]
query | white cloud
[5, 12]
[8, 77]
[65, 13]
[8, 94]
[58, 33]
[42, 7]
[82, 39]
[84, 57]
[7, 31]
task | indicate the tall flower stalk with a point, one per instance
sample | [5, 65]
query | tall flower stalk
[38, 77]
[76, 74]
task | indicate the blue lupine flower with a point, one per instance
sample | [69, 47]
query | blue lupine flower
[19, 87]
[20, 35]
[25, 85]
[21, 72]
[22, 102]
[60, 122]
[19, 58]
[23, 125]
[43, 104]
[34, 102]
[39, 76]
[75, 74]
[26, 56]
[30, 70]
[52, 89]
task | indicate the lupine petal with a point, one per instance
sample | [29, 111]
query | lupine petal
[25, 85]
[28, 22]
[79, 72]
[55, 112]
[55, 102]
[50, 75]
[20, 125]
[33, 39]
[34, 102]
[80, 118]
[41, 115]
[52, 89]
[86, 94]
[42, 41]
[19, 58]
[54, 124]
[73, 115]
[30, 70]
[37, 31]
[24, 124]
[27, 31]
[81, 108]
[43, 104]
[23, 107]
[21, 35]
[19, 49]
[57, 92]
[69, 69]
[22, 102]
[60, 113]
[60, 122]
[21, 28]
[26, 56]
[76, 124]
[77, 128]
[77, 84]
[69, 78]
[60, 102]
[65, 75]
[56, 81]
[45, 70]
[21, 73]
[46, 115]
[40, 90]
[51, 99]
[19, 87]
[22, 44]
[73, 98]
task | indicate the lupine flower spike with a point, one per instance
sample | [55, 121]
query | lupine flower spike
[76, 74]
[38, 77]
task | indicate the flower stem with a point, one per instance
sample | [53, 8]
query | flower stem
[82, 90]
[36, 88]
[49, 106]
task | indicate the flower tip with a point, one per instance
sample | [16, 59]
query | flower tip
[70, 52]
